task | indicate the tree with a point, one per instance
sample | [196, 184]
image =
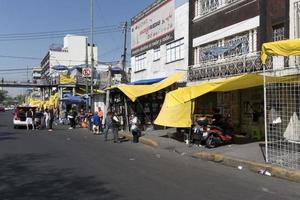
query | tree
[3, 94]
[20, 98]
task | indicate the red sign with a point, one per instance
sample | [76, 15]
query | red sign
[86, 72]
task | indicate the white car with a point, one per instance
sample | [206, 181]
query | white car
[20, 115]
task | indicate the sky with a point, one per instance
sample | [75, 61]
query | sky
[29, 27]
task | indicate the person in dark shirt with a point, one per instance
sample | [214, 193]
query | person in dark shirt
[51, 117]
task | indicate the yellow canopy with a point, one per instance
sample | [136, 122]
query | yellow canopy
[280, 48]
[66, 79]
[82, 91]
[176, 110]
[135, 91]
[35, 102]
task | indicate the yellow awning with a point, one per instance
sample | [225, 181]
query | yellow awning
[178, 115]
[280, 48]
[178, 102]
[135, 91]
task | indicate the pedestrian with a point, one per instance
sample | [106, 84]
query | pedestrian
[51, 117]
[90, 118]
[108, 121]
[72, 117]
[29, 119]
[100, 115]
[46, 116]
[96, 124]
[115, 123]
[135, 131]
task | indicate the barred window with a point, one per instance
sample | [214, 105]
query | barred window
[278, 32]
[156, 55]
[237, 45]
[175, 51]
[203, 7]
[140, 62]
[205, 53]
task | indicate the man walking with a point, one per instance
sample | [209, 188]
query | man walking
[108, 121]
[100, 115]
[29, 119]
[115, 122]
[51, 117]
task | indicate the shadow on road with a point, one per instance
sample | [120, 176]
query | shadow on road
[27, 177]
[6, 136]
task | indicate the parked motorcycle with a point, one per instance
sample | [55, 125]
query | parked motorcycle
[210, 135]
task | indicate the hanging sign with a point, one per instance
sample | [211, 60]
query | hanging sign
[86, 72]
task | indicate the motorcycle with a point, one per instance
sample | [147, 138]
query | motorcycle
[210, 135]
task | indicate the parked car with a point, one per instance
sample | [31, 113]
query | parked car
[2, 109]
[19, 119]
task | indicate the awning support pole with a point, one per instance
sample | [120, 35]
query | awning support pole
[265, 113]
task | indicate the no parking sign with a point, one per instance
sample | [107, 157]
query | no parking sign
[86, 72]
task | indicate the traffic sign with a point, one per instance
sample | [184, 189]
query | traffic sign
[86, 72]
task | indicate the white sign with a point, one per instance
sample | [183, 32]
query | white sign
[156, 24]
[86, 72]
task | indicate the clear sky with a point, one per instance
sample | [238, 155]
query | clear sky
[32, 18]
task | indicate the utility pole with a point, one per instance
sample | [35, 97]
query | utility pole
[124, 75]
[92, 56]
[86, 78]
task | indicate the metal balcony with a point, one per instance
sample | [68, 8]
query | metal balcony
[228, 67]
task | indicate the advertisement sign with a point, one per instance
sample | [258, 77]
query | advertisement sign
[154, 28]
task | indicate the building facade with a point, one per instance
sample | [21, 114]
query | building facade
[75, 51]
[159, 40]
[226, 38]
[227, 35]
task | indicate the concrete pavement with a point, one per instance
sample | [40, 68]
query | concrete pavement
[249, 156]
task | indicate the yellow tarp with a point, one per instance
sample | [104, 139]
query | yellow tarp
[82, 91]
[35, 103]
[135, 91]
[177, 102]
[280, 48]
[66, 79]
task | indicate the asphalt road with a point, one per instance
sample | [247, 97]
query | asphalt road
[74, 164]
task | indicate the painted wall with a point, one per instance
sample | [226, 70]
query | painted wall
[159, 68]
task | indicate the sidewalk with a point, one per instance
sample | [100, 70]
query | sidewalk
[249, 156]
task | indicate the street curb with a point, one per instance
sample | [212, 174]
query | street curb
[142, 139]
[292, 175]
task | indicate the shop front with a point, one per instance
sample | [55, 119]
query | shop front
[143, 99]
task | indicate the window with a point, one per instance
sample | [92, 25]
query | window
[175, 51]
[237, 45]
[140, 62]
[203, 7]
[278, 32]
[156, 55]
[233, 46]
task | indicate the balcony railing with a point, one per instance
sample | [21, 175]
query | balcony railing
[228, 67]
[205, 7]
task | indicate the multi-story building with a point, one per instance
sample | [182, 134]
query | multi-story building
[75, 51]
[159, 40]
[226, 38]
[227, 35]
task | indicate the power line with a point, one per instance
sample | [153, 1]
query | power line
[57, 31]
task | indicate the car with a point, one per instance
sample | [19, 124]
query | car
[19, 119]
[2, 109]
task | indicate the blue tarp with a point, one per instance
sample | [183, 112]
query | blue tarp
[147, 81]
[70, 99]
[60, 67]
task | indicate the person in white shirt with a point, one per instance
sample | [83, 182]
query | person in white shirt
[136, 133]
